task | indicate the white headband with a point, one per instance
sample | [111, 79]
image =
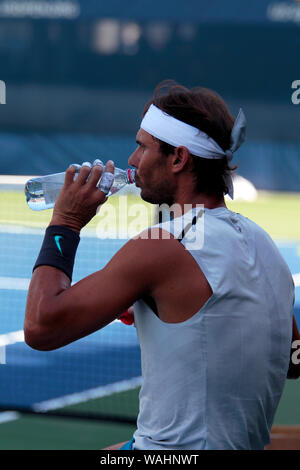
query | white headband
[174, 132]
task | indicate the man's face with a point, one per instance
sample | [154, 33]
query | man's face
[153, 172]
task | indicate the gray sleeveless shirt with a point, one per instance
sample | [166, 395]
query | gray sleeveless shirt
[214, 381]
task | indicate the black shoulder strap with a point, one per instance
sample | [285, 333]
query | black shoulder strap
[190, 224]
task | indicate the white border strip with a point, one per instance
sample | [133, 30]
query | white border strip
[296, 278]
[93, 393]
[7, 416]
[21, 229]
[12, 338]
[14, 283]
[19, 180]
[36, 229]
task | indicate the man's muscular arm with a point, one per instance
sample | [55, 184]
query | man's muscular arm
[58, 313]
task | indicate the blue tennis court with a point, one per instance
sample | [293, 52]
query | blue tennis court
[102, 363]
[105, 362]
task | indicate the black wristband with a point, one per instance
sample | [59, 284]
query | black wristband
[59, 249]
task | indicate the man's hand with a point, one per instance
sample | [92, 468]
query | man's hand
[127, 317]
[78, 200]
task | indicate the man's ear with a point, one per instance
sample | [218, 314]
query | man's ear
[181, 159]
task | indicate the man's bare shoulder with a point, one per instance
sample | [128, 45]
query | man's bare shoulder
[155, 241]
[143, 263]
[169, 274]
[148, 249]
[154, 234]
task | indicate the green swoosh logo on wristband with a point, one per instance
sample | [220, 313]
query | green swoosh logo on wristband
[56, 238]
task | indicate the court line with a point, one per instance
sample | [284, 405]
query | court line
[14, 283]
[90, 394]
[35, 229]
[66, 400]
[76, 398]
[296, 278]
[7, 339]
[7, 416]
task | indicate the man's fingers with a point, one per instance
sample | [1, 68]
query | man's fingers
[93, 175]
[83, 173]
[110, 166]
[69, 176]
[107, 178]
[98, 162]
[98, 170]
[76, 166]
[96, 173]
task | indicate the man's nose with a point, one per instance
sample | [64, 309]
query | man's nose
[132, 160]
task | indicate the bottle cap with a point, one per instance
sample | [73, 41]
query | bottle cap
[131, 175]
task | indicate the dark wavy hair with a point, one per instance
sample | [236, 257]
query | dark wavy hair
[207, 111]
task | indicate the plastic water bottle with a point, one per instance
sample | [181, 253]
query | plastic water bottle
[42, 192]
